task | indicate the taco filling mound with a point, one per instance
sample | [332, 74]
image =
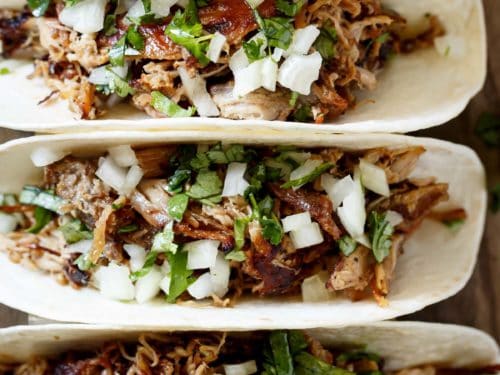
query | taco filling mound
[277, 352]
[222, 221]
[270, 60]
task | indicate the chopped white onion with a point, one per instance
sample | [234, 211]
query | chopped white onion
[246, 368]
[239, 60]
[201, 254]
[86, 17]
[394, 218]
[295, 222]
[123, 155]
[364, 240]
[352, 213]
[215, 47]
[102, 75]
[298, 157]
[137, 256]
[148, 286]
[307, 235]
[165, 284]
[299, 72]
[234, 182]
[196, 90]
[269, 71]
[43, 156]
[220, 274]
[303, 39]
[314, 288]
[111, 174]
[114, 282]
[254, 3]
[136, 10]
[304, 170]
[337, 190]
[374, 178]
[247, 79]
[80, 247]
[165, 268]
[277, 54]
[202, 287]
[134, 176]
[161, 8]
[8, 223]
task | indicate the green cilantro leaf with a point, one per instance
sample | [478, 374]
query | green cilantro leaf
[309, 364]
[272, 230]
[177, 180]
[110, 25]
[290, 8]
[177, 205]
[326, 41]
[278, 31]
[180, 277]
[38, 7]
[75, 231]
[454, 225]
[347, 245]
[207, 188]
[166, 106]
[42, 218]
[303, 113]
[356, 355]
[308, 178]
[4, 71]
[380, 232]
[147, 267]
[253, 49]
[128, 228]
[83, 262]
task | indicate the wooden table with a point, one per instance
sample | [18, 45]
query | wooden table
[478, 305]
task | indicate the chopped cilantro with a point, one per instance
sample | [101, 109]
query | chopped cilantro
[147, 267]
[382, 38]
[177, 205]
[326, 41]
[177, 180]
[347, 245]
[455, 224]
[380, 232]
[42, 218]
[128, 228]
[239, 228]
[308, 178]
[110, 25]
[38, 7]
[293, 99]
[180, 277]
[289, 8]
[118, 85]
[303, 113]
[278, 31]
[75, 231]
[166, 106]
[83, 262]
[253, 49]
[272, 230]
[207, 188]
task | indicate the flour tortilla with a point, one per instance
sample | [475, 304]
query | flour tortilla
[415, 91]
[401, 344]
[436, 264]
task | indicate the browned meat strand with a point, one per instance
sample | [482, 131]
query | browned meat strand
[225, 236]
[75, 181]
[19, 35]
[318, 205]
[354, 271]
[232, 18]
[277, 269]
[76, 276]
[154, 160]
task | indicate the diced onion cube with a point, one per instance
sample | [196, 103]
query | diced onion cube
[374, 178]
[337, 190]
[201, 254]
[295, 222]
[314, 288]
[123, 155]
[299, 72]
[215, 47]
[161, 8]
[114, 282]
[254, 3]
[137, 256]
[43, 156]
[220, 274]
[394, 218]
[111, 174]
[248, 79]
[8, 223]
[238, 61]
[202, 287]
[234, 182]
[80, 247]
[136, 10]
[148, 286]
[269, 73]
[134, 176]
[165, 284]
[308, 235]
[352, 213]
[246, 368]
[196, 90]
[102, 75]
[304, 170]
[303, 39]
[86, 16]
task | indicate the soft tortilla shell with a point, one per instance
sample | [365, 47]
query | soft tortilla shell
[436, 264]
[415, 91]
[401, 344]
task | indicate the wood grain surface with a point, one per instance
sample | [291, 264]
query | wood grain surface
[478, 305]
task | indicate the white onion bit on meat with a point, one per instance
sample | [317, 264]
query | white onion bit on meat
[123, 155]
[215, 47]
[86, 17]
[80, 247]
[196, 90]
[352, 213]
[269, 71]
[43, 156]
[246, 368]
[148, 286]
[314, 289]
[303, 39]
[161, 8]
[295, 222]
[337, 190]
[114, 282]
[234, 182]
[307, 235]
[304, 170]
[134, 176]
[394, 218]
[247, 79]
[298, 72]
[220, 274]
[165, 284]
[374, 178]
[111, 174]
[254, 3]
[202, 287]
[137, 256]
[201, 254]
[8, 223]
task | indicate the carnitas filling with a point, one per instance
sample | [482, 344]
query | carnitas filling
[267, 353]
[220, 221]
[236, 59]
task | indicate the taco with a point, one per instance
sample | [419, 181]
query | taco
[396, 348]
[153, 220]
[272, 61]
